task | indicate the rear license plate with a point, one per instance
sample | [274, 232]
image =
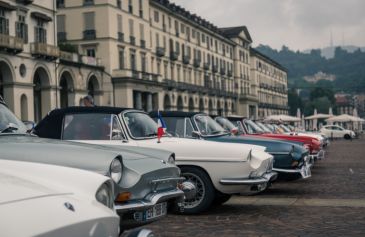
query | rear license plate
[158, 210]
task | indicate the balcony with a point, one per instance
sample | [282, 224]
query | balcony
[46, 51]
[11, 44]
[62, 36]
[120, 37]
[143, 44]
[186, 59]
[215, 68]
[174, 55]
[197, 63]
[132, 40]
[223, 71]
[230, 73]
[89, 34]
[160, 51]
[206, 66]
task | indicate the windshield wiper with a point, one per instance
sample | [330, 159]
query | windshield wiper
[9, 128]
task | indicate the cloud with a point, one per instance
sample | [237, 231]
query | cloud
[299, 24]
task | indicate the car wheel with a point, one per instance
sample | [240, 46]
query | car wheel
[347, 137]
[205, 192]
[221, 198]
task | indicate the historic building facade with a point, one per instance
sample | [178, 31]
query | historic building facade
[146, 54]
[272, 82]
[33, 77]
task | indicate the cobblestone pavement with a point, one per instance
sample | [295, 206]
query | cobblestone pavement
[330, 203]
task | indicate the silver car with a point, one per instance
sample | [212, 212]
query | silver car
[146, 180]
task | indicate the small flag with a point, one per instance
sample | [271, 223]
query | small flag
[161, 127]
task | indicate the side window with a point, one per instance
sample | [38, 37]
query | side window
[189, 129]
[87, 127]
[117, 131]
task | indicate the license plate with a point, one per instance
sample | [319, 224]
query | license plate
[158, 210]
[306, 172]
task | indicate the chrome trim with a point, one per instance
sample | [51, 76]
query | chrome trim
[320, 155]
[150, 200]
[266, 178]
[305, 171]
[161, 181]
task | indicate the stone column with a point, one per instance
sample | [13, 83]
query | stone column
[138, 99]
[149, 102]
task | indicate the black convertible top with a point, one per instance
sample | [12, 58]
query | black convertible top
[154, 114]
[51, 125]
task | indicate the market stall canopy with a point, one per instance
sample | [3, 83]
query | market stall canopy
[343, 118]
[282, 118]
[318, 116]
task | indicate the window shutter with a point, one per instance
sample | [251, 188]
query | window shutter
[25, 33]
[7, 26]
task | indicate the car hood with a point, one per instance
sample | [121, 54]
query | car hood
[18, 188]
[72, 154]
[271, 145]
[186, 149]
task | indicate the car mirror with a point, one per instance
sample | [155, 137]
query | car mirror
[196, 134]
[141, 233]
[29, 125]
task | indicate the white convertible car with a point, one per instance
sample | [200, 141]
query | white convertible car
[44, 200]
[214, 170]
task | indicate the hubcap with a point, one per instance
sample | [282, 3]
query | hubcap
[194, 201]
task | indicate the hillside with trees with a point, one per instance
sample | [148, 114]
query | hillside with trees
[348, 67]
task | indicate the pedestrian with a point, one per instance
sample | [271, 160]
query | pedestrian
[88, 101]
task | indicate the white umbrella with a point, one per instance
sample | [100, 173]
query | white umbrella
[299, 114]
[344, 118]
[330, 112]
[315, 121]
[318, 116]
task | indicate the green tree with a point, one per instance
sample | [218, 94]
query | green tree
[294, 102]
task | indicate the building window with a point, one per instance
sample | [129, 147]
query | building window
[90, 52]
[156, 16]
[61, 28]
[88, 2]
[121, 58]
[60, 3]
[120, 28]
[141, 31]
[130, 6]
[131, 27]
[133, 60]
[89, 24]
[21, 28]
[141, 8]
[182, 28]
[40, 33]
[119, 4]
[4, 23]
[177, 28]
[143, 62]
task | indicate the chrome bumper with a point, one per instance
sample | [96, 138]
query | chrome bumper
[150, 201]
[319, 156]
[266, 178]
[305, 171]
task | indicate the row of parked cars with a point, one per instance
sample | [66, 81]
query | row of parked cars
[200, 162]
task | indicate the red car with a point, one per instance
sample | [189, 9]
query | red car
[250, 128]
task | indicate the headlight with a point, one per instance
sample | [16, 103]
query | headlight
[171, 160]
[116, 170]
[105, 196]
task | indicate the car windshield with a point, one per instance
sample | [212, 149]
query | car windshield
[91, 126]
[207, 126]
[9, 123]
[252, 127]
[226, 124]
[140, 125]
[263, 127]
[270, 127]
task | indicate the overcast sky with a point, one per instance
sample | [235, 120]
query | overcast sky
[299, 24]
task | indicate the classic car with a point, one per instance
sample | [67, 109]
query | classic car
[216, 170]
[291, 161]
[335, 131]
[144, 183]
[252, 129]
[79, 202]
[321, 138]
